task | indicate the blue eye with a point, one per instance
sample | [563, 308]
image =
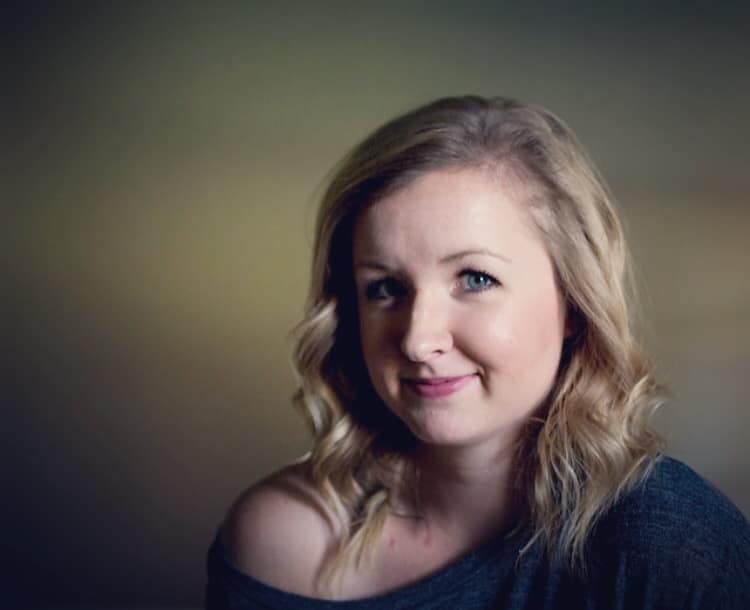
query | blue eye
[477, 281]
[386, 288]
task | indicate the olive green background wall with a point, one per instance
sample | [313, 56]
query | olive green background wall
[160, 166]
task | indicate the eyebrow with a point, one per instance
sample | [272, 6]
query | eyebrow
[446, 259]
[481, 251]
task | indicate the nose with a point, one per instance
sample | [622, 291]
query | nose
[427, 331]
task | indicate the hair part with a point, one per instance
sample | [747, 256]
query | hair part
[592, 441]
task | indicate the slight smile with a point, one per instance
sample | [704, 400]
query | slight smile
[437, 387]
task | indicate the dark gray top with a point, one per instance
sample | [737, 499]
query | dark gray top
[674, 542]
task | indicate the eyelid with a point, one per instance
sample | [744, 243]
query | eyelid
[371, 286]
[493, 281]
[367, 274]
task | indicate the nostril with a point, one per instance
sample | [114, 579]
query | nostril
[425, 332]
[422, 343]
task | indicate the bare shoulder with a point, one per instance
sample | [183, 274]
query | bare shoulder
[279, 531]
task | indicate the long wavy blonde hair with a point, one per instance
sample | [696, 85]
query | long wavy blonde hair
[592, 442]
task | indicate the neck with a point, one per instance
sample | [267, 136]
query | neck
[466, 492]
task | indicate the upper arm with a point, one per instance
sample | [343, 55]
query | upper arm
[279, 532]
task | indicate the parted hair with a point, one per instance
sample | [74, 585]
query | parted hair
[591, 441]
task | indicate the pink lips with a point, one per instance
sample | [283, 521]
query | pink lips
[436, 387]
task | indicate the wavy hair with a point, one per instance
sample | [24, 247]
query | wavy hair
[591, 442]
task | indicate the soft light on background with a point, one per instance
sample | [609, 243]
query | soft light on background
[162, 162]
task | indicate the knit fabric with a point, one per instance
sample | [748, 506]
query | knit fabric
[673, 542]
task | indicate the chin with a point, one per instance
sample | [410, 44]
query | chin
[441, 433]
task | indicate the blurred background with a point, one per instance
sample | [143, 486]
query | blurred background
[160, 169]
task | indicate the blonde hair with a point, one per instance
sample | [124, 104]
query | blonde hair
[592, 441]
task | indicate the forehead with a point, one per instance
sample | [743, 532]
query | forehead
[448, 210]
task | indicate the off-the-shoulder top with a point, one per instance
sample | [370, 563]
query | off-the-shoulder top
[673, 542]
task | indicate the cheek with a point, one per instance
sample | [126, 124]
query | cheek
[542, 344]
[370, 335]
[367, 343]
[375, 346]
[489, 338]
[520, 343]
[496, 337]
[381, 364]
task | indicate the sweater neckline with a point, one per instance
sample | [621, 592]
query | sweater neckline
[498, 554]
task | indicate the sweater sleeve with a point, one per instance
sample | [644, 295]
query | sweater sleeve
[700, 538]
[734, 576]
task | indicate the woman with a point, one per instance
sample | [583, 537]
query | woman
[478, 402]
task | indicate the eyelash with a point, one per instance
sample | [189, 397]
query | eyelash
[372, 289]
[397, 289]
[491, 280]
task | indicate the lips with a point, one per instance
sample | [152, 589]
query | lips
[436, 387]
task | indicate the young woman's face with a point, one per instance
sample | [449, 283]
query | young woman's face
[461, 321]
